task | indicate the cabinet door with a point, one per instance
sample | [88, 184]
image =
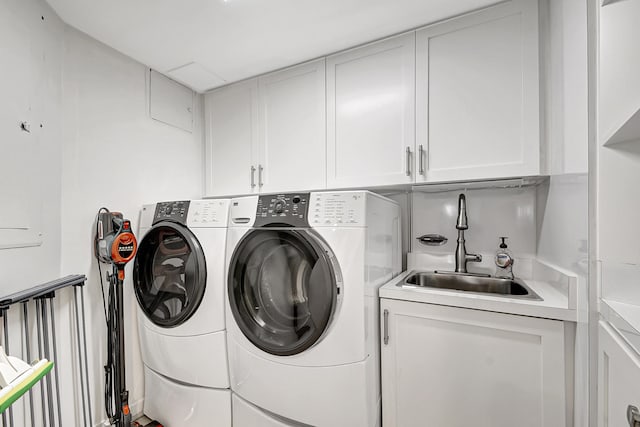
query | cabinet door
[231, 139]
[619, 378]
[478, 95]
[455, 367]
[371, 114]
[292, 129]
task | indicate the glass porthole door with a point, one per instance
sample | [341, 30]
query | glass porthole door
[282, 289]
[169, 274]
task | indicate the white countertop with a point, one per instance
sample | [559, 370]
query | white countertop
[556, 303]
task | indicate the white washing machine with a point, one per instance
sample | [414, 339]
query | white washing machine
[179, 282]
[302, 304]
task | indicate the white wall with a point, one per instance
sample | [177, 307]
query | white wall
[97, 147]
[491, 213]
[31, 51]
[618, 203]
[618, 207]
[562, 203]
[564, 49]
[115, 156]
[562, 206]
[563, 231]
[30, 89]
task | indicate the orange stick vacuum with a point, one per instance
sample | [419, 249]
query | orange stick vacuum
[115, 244]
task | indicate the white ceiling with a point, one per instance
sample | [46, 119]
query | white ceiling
[230, 40]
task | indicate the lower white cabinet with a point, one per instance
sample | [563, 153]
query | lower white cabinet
[455, 367]
[619, 379]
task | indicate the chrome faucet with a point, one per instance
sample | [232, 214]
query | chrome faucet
[462, 257]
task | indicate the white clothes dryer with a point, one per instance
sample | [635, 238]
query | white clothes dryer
[179, 281]
[302, 303]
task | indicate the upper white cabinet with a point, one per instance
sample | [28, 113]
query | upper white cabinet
[619, 73]
[457, 100]
[449, 366]
[292, 148]
[371, 114]
[268, 134]
[478, 95]
[231, 149]
[619, 378]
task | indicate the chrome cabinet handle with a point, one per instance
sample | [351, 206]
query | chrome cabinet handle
[253, 176]
[633, 416]
[421, 159]
[408, 158]
[260, 169]
[386, 326]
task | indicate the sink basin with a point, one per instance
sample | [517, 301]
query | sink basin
[479, 284]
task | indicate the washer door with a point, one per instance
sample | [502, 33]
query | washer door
[169, 274]
[282, 289]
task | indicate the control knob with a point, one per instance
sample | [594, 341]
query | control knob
[278, 207]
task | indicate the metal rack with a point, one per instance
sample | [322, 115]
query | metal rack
[41, 298]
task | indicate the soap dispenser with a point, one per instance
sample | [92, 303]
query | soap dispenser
[504, 261]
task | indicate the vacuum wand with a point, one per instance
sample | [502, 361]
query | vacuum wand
[122, 415]
[115, 244]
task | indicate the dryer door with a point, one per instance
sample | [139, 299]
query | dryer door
[169, 274]
[282, 289]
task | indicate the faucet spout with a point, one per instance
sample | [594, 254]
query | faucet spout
[461, 223]
[462, 257]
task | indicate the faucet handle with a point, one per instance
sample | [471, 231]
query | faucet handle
[474, 257]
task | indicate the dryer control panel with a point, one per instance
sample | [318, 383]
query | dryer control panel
[208, 213]
[339, 209]
[172, 211]
[283, 210]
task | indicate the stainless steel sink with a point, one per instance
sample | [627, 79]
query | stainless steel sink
[481, 284]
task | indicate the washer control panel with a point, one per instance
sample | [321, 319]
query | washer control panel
[172, 211]
[289, 210]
